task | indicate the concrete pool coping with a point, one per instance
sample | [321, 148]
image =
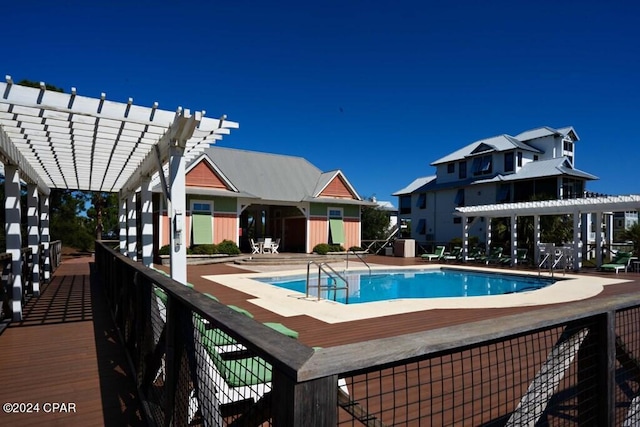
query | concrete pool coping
[287, 303]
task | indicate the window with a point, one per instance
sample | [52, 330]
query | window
[568, 146]
[462, 170]
[422, 226]
[457, 220]
[451, 168]
[482, 165]
[519, 159]
[405, 204]
[504, 193]
[459, 200]
[336, 226]
[202, 224]
[535, 157]
[508, 162]
[422, 201]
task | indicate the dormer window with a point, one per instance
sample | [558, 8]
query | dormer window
[568, 146]
[451, 167]
[482, 165]
[520, 159]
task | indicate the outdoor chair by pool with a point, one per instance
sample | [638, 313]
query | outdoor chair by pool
[494, 256]
[521, 257]
[275, 245]
[621, 261]
[455, 255]
[255, 246]
[438, 254]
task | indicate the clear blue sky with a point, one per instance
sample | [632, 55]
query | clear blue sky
[376, 89]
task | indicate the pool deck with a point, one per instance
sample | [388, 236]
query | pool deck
[326, 323]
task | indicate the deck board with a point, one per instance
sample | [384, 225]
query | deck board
[66, 351]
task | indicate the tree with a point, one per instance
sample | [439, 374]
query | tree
[33, 83]
[66, 222]
[375, 223]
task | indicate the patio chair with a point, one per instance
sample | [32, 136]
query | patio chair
[494, 256]
[521, 257]
[621, 261]
[267, 246]
[455, 255]
[474, 253]
[255, 246]
[438, 254]
[275, 245]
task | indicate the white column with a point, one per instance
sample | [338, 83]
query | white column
[14, 238]
[598, 229]
[465, 238]
[45, 238]
[122, 222]
[177, 213]
[514, 239]
[33, 231]
[488, 236]
[577, 242]
[132, 249]
[146, 220]
[536, 239]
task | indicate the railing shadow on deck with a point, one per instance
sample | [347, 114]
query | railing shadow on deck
[575, 364]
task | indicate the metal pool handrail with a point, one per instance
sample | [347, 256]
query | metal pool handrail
[321, 269]
[360, 258]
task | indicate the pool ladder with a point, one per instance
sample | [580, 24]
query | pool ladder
[332, 282]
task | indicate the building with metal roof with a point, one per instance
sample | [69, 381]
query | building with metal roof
[535, 164]
[240, 195]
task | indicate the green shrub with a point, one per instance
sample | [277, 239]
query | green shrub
[165, 250]
[228, 247]
[356, 249]
[204, 250]
[321, 248]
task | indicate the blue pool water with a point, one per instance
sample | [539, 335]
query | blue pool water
[397, 284]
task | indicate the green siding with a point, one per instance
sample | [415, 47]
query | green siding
[225, 204]
[202, 229]
[320, 209]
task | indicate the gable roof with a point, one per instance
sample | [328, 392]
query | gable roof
[541, 169]
[270, 176]
[494, 144]
[543, 131]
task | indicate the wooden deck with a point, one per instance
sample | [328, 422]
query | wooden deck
[66, 350]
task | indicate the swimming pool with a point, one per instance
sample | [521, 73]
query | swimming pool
[400, 284]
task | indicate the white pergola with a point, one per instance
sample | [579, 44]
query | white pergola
[575, 207]
[59, 140]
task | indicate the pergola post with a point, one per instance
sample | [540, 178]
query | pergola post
[33, 233]
[122, 222]
[488, 236]
[13, 235]
[45, 238]
[177, 213]
[132, 231]
[146, 220]
[514, 239]
[536, 239]
[577, 242]
[465, 238]
[598, 239]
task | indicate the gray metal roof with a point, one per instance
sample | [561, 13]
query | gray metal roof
[494, 144]
[546, 131]
[541, 169]
[417, 183]
[270, 176]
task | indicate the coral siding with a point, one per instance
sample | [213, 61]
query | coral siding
[164, 226]
[203, 176]
[225, 227]
[351, 233]
[318, 231]
[337, 188]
